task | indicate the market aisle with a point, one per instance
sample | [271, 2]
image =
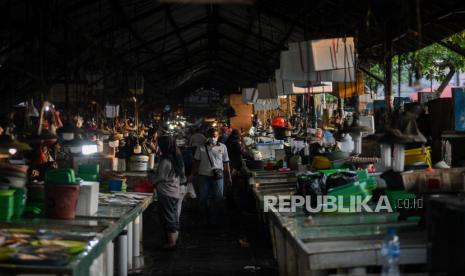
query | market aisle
[209, 251]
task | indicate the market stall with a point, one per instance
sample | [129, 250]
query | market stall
[315, 244]
[86, 244]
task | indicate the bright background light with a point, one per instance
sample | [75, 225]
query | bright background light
[89, 149]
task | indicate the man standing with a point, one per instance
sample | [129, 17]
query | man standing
[211, 166]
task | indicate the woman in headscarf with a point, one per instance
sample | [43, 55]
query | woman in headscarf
[168, 180]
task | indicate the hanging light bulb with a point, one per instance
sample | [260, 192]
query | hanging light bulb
[89, 149]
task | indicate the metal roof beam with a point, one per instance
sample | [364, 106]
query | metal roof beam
[263, 55]
[160, 55]
[242, 57]
[244, 30]
[173, 23]
[177, 61]
[134, 19]
[167, 35]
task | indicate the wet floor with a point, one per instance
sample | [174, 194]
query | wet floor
[237, 246]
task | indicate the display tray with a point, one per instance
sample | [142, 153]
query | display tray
[85, 237]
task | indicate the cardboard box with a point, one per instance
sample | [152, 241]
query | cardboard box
[438, 180]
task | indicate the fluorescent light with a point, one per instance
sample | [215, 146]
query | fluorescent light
[89, 149]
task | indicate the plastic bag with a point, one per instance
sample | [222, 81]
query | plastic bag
[190, 191]
[340, 178]
[312, 185]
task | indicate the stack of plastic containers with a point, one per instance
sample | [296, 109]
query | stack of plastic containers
[13, 179]
[89, 172]
[6, 204]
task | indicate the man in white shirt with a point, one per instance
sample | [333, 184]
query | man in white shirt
[210, 160]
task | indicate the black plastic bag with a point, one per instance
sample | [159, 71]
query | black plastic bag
[311, 185]
[340, 178]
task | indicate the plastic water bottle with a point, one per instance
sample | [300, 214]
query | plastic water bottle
[390, 251]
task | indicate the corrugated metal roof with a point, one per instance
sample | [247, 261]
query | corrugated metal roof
[181, 46]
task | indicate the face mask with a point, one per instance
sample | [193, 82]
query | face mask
[213, 140]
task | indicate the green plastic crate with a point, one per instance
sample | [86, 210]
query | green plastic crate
[348, 190]
[60, 176]
[89, 169]
[331, 171]
[88, 177]
[6, 204]
[19, 202]
[341, 165]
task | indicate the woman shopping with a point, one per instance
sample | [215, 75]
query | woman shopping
[168, 179]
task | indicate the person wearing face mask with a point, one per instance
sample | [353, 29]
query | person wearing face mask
[211, 166]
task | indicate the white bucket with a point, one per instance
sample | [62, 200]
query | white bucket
[151, 161]
[139, 163]
[121, 167]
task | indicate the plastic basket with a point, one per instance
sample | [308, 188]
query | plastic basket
[115, 185]
[418, 155]
[62, 176]
[321, 162]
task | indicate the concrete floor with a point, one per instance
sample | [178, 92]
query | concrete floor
[207, 251]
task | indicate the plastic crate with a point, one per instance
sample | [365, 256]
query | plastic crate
[331, 171]
[88, 176]
[61, 176]
[418, 155]
[89, 169]
[348, 190]
[341, 165]
[6, 204]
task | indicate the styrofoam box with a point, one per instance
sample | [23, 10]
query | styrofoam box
[268, 149]
[88, 199]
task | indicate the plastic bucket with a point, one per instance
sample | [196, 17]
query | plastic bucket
[115, 185]
[61, 201]
[6, 204]
[19, 202]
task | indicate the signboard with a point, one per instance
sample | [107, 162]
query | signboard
[458, 95]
